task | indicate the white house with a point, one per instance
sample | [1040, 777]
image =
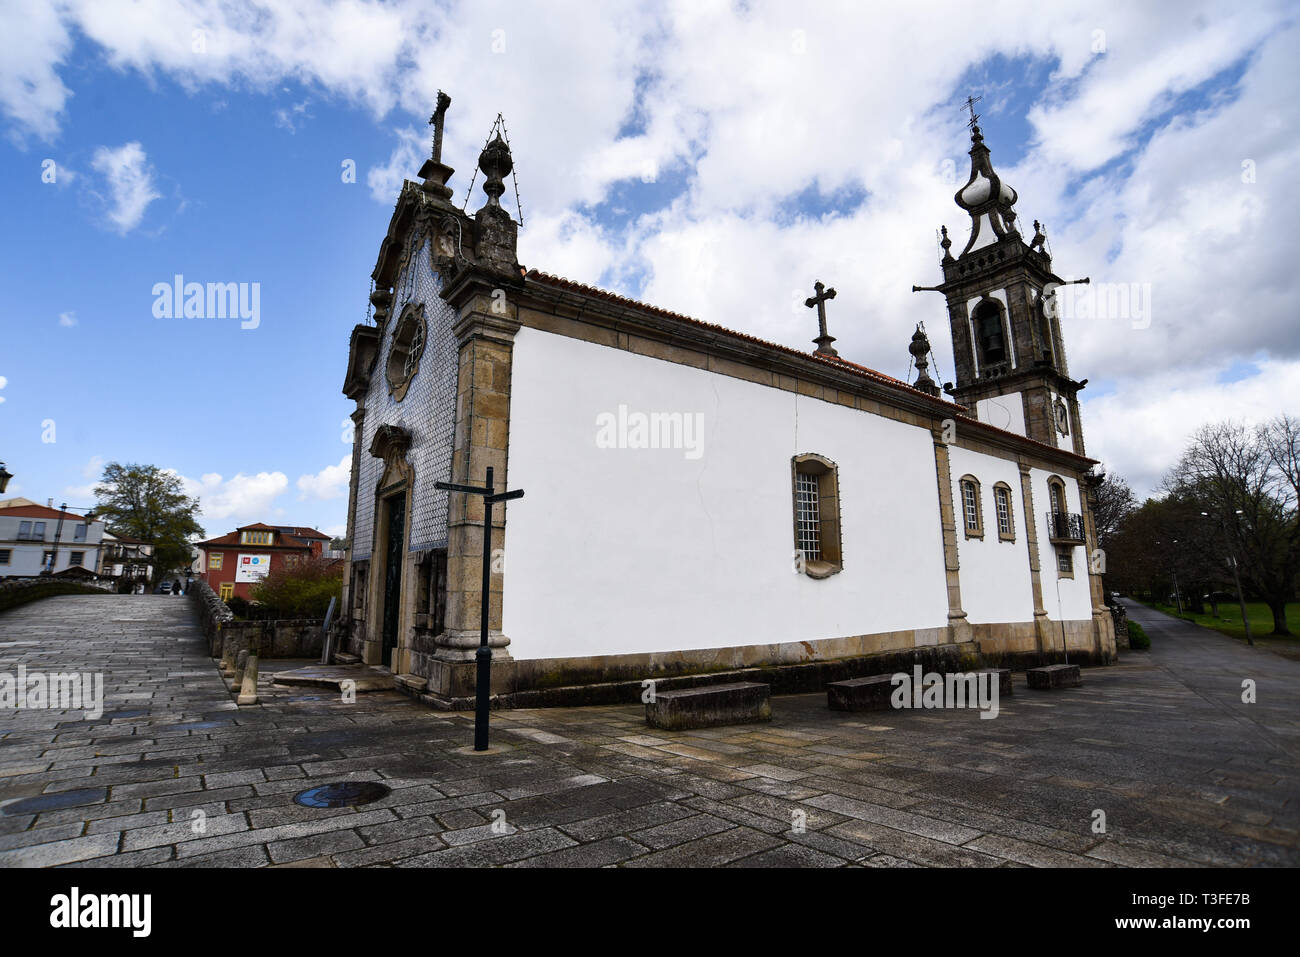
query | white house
[36, 538]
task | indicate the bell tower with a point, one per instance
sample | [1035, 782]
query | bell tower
[1006, 334]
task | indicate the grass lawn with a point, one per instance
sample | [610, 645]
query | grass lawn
[1229, 620]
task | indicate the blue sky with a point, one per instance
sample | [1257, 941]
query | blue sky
[711, 158]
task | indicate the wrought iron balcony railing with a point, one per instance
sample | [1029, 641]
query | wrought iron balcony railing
[1065, 527]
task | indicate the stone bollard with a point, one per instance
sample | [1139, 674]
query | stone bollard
[228, 655]
[237, 680]
[248, 692]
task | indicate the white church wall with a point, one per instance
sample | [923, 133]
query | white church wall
[1003, 411]
[1064, 598]
[619, 551]
[995, 577]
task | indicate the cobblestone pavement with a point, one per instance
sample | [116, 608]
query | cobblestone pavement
[173, 774]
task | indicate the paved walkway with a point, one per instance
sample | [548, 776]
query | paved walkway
[173, 774]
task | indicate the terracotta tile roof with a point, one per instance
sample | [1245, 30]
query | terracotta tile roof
[299, 531]
[568, 284]
[959, 412]
[39, 511]
[301, 541]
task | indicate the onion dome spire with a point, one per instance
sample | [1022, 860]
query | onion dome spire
[986, 197]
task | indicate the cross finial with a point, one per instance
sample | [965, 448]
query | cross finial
[436, 121]
[819, 301]
[970, 106]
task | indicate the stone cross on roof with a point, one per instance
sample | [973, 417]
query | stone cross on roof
[819, 300]
[436, 121]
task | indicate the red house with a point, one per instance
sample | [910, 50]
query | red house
[233, 563]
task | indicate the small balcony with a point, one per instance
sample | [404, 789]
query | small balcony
[1065, 528]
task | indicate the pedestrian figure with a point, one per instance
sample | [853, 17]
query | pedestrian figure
[176, 586]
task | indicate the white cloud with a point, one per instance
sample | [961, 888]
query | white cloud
[330, 482]
[743, 106]
[130, 181]
[34, 41]
[68, 319]
[242, 499]
[3, 382]
[1141, 431]
[291, 117]
[405, 161]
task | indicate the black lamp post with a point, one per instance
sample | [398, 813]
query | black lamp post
[483, 657]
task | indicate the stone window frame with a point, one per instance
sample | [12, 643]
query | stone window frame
[77, 558]
[1003, 489]
[1065, 552]
[6, 555]
[1056, 484]
[830, 534]
[976, 531]
[410, 336]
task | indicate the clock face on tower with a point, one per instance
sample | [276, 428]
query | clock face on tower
[1062, 417]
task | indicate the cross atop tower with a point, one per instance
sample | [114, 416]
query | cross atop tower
[970, 106]
[436, 121]
[819, 300]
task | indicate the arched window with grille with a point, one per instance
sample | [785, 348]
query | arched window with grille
[971, 510]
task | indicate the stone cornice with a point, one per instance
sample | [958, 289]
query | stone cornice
[363, 350]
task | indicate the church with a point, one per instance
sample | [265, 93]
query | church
[700, 502]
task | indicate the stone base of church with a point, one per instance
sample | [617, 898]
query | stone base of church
[558, 682]
[790, 667]
[1022, 645]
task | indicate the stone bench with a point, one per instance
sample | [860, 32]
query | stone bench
[1004, 679]
[740, 702]
[1052, 677]
[874, 693]
[861, 694]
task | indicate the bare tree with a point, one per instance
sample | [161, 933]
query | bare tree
[1114, 503]
[1246, 482]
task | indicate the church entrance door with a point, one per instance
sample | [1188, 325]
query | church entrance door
[396, 527]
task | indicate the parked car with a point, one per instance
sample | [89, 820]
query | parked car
[164, 589]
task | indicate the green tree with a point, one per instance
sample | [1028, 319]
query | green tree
[149, 503]
[301, 588]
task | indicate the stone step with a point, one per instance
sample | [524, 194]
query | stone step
[333, 676]
[739, 702]
[1053, 677]
[411, 684]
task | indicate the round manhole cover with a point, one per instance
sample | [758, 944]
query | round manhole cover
[343, 794]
